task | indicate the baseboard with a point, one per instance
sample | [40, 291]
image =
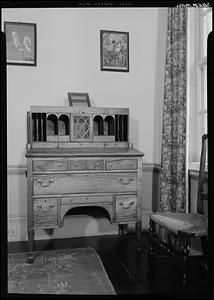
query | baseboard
[74, 226]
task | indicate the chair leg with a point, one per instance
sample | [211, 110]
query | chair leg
[122, 229]
[205, 248]
[185, 254]
[151, 251]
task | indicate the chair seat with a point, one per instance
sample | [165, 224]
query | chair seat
[190, 223]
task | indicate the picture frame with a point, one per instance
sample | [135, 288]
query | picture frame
[21, 43]
[114, 51]
[79, 99]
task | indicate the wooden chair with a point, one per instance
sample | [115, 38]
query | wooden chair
[179, 229]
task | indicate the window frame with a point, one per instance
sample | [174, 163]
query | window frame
[196, 95]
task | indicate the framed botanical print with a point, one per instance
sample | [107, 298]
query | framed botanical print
[114, 51]
[20, 43]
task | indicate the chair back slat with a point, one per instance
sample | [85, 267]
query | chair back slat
[202, 193]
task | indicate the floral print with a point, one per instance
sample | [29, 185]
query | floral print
[173, 156]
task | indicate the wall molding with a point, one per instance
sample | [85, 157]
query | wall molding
[13, 218]
[148, 167]
[194, 174]
[20, 169]
[16, 169]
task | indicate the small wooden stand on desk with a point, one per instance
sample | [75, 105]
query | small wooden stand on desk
[81, 157]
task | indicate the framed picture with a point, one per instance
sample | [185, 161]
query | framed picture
[79, 99]
[20, 43]
[114, 51]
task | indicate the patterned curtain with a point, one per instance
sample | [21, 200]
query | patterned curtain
[173, 156]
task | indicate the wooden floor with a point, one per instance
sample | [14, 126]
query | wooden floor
[127, 269]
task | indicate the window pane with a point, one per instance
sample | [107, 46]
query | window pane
[206, 10]
[200, 25]
[205, 88]
[207, 27]
[205, 123]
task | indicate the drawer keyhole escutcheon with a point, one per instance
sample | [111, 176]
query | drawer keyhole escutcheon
[125, 180]
[45, 182]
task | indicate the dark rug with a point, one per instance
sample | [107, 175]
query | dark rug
[68, 271]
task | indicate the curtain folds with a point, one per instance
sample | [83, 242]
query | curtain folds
[173, 155]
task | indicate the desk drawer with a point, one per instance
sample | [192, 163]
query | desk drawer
[87, 164]
[86, 199]
[121, 164]
[49, 165]
[83, 183]
[126, 208]
[45, 213]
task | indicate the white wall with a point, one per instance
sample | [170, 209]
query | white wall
[68, 59]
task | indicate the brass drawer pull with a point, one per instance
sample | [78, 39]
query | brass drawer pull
[76, 163]
[46, 182]
[97, 164]
[44, 207]
[126, 204]
[125, 180]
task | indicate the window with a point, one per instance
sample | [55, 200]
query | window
[199, 26]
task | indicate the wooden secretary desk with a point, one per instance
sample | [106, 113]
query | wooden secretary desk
[81, 157]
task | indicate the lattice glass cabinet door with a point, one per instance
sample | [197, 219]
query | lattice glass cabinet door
[81, 127]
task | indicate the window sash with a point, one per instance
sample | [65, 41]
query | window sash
[197, 81]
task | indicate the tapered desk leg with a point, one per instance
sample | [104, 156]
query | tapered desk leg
[30, 256]
[30, 209]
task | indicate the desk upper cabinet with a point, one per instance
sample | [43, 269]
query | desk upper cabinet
[77, 127]
[81, 157]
